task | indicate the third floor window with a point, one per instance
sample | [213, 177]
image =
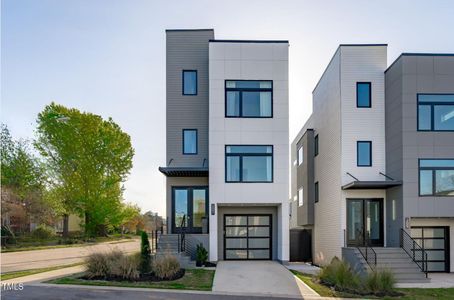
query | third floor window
[436, 112]
[248, 98]
[189, 82]
[363, 94]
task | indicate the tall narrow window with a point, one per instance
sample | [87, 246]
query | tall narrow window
[363, 94]
[249, 163]
[248, 99]
[436, 112]
[189, 82]
[364, 153]
[316, 195]
[189, 141]
[316, 145]
[300, 155]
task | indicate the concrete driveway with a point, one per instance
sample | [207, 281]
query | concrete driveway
[34, 259]
[259, 278]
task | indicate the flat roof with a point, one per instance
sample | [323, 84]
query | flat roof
[248, 41]
[371, 184]
[195, 29]
[417, 54]
[184, 171]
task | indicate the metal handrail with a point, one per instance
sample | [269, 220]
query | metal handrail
[369, 253]
[182, 235]
[417, 253]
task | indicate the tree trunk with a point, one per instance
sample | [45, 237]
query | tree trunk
[65, 225]
[87, 224]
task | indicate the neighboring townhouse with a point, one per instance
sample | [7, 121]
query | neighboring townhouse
[420, 152]
[374, 162]
[227, 172]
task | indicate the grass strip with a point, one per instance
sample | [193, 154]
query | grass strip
[16, 274]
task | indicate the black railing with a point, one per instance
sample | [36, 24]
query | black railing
[414, 250]
[367, 252]
[182, 235]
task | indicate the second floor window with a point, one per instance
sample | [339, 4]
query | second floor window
[316, 145]
[189, 82]
[316, 191]
[248, 99]
[364, 153]
[300, 197]
[300, 155]
[363, 94]
[436, 177]
[435, 112]
[189, 141]
[249, 163]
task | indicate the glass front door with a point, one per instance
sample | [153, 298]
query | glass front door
[365, 222]
[190, 207]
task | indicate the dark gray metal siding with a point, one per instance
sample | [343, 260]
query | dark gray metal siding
[186, 50]
[305, 179]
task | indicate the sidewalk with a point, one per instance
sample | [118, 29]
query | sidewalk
[40, 277]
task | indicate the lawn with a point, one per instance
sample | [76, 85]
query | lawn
[409, 293]
[11, 275]
[193, 279]
[28, 243]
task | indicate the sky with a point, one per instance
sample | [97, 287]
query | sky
[108, 57]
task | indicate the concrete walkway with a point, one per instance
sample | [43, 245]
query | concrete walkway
[35, 259]
[45, 276]
[259, 278]
[437, 280]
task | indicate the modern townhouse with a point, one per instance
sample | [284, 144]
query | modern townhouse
[227, 172]
[372, 169]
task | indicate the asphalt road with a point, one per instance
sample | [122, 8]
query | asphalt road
[26, 260]
[31, 292]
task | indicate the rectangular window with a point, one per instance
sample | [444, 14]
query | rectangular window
[189, 82]
[248, 99]
[249, 163]
[436, 112]
[436, 177]
[364, 153]
[300, 197]
[189, 141]
[316, 192]
[300, 155]
[316, 145]
[363, 94]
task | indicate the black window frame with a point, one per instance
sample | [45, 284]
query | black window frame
[316, 192]
[196, 141]
[434, 183]
[432, 104]
[316, 147]
[370, 153]
[241, 90]
[196, 82]
[446, 248]
[189, 228]
[370, 94]
[241, 155]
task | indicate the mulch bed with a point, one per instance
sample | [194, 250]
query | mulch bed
[143, 277]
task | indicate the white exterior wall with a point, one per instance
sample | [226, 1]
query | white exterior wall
[249, 61]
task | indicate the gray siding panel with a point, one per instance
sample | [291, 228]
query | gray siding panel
[187, 50]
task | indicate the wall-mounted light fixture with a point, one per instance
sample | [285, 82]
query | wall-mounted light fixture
[213, 209]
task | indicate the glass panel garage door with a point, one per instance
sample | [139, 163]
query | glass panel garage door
[247, 237]
[435, 240]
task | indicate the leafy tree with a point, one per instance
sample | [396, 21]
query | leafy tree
[89, 158]
[145, 254]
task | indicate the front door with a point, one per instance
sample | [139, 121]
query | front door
[190, 208]
[365, 222]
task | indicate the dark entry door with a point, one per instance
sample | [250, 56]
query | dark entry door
[247, 237]
[365, 222]
[190, 206]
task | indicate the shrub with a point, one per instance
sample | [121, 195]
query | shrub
[381, 281]
[339, 275]
[166, 267]
[8, 236]
[126, 267]
[102, 264]
[145, 254]
[43, 232]
[201, 254]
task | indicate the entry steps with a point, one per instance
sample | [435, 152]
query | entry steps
[168, 244]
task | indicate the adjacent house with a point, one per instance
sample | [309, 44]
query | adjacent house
[373, 167]
[227, 171]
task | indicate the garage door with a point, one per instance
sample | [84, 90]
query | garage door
[247, 237]
[435, 240]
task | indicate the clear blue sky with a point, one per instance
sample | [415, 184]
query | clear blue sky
[108, 57]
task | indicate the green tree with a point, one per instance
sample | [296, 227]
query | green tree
[145, 254]
[89, 159]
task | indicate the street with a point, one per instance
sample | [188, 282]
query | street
[26, 260]
[55, 292]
